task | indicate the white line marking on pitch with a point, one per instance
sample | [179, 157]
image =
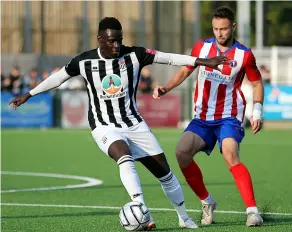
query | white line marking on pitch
[89, 181]
[115, 207]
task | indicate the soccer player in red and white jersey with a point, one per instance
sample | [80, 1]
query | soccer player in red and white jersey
[219, 111]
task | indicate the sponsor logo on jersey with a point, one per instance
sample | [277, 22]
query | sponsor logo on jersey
[233, 63]
[214, 76]
[112, 85]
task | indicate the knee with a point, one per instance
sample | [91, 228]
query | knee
[231, 156]
[183, 157]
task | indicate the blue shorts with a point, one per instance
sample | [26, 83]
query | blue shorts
[211, 131]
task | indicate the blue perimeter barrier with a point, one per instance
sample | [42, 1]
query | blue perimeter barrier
[36, 112]
[278, 102]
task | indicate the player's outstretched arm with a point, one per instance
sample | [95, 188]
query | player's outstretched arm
[256, 119]
[175, 81]
[182, 60]
[51, 82]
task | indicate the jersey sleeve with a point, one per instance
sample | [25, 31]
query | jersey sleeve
[195, 52]
[251, 69]
[145, 55]
[72, 68]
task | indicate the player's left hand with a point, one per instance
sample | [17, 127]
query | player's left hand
[18, 101]
[256, 125]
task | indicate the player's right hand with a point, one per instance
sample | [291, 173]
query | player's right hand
[18, 101]
[256, 125]
[158, 92]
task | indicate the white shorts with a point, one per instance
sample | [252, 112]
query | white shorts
[142, 142]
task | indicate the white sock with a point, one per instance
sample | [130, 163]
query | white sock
[252, 210]
[130, 178]
[173, 191]
[208, 200]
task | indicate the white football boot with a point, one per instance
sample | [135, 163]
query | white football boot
[187, 223]
[254, 219]
[207, 212]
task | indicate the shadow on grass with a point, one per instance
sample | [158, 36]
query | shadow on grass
[158, 185]
[268, 222]
[61, 215]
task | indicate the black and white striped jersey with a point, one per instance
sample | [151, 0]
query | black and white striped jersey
[112, 84]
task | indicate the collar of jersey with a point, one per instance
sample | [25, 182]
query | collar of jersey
[101, 57]
[218, 50]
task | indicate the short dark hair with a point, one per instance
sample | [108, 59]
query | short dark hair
[109, 23]
[224, 12]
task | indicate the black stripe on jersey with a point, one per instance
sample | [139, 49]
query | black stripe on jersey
[91, 119]
[130, 72]
[109, 106]
[116, 69]
[88, 73]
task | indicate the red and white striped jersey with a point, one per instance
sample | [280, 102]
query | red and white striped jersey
[218, 94]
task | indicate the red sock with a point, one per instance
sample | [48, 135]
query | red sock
[244, 184]
[194, 177]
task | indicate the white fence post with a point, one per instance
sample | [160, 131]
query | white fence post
[274, 65]
[289, 70]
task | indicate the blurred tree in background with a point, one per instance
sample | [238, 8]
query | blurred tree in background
[277, 21]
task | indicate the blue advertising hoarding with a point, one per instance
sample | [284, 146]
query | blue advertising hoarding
[278, 102]
[36, 112]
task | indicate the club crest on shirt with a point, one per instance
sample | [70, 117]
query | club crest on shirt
[122, 65]
[233, 63]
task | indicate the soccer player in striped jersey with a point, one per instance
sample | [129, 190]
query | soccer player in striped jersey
[219, 110]
[111, 74]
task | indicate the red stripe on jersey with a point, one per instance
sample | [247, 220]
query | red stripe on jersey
[196, 95]
[251, 69]
[212, 53]
[236, 86]
[206, 95]
[221, 94]
[220, 101]
[226, 70]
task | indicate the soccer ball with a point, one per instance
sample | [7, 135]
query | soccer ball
[134, 216]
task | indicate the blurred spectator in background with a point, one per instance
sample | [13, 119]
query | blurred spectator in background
[45, 75]
[5, 82]
[14, 83]
[266, 75]
[73, 84]
[31, 80]
[55, 70]
[77, 83]
[146, 83]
